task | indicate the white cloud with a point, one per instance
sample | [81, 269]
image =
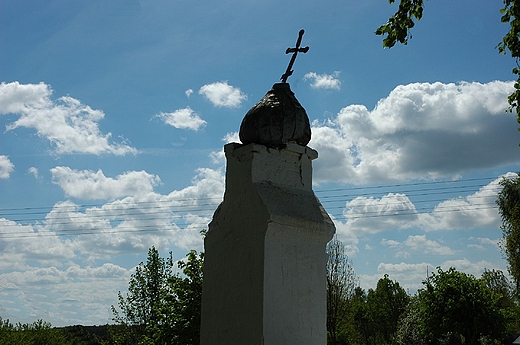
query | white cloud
[73, 239]
[20, 243]
[409, 276]
[137, 222]
[207, 186]
[368, 216]
[421, 243]
[69, 125]
[484, 241]
[324, 81]
[403, 254]
[221, 94]
[390, 243]
[418, 243]
[219, 157]
[467, 266]
[48, 269]
[372, 215]
[231, 137]
[420, 130]
[184, 118]
[86, 184]
[346, 235]
[475, 210]
[63, 294]
[34, 171]
[403, 268]
[188, 92]
[6, 167]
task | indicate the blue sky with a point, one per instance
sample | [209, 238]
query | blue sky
[114, 115]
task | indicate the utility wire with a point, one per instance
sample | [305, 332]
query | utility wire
[165, 211]
[387, 189]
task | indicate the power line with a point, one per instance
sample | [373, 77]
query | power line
[317, 192]
[166, 211]
[159, 204]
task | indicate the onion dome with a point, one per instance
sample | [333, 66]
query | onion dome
[276, 120]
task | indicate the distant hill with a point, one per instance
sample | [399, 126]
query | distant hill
[86, 335]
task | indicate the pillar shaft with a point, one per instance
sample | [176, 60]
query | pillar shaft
[265, 260]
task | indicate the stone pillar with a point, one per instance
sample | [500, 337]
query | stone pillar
[265, 260]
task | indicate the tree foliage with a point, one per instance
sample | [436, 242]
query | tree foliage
[410, 329]
[385, 305]
[375, 313]
[511, 41]
[161, 306]
[37, 333]
[183, 301]
[455, 308]
[341, 283]
[398, 27]
[508, 201]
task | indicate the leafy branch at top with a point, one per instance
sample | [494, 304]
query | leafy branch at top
[398, 27]
[511, 41]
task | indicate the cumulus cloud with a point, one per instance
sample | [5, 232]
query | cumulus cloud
[6, 167]
[417, 243]
[188, 92]
[324, 81]
[408, 275]
[467, 266]
[411, 275]
[421, 130]
[390, 243]
[70, 126]
[34, 171]
[349, 237]
[64, 294]
[421, 243]
[219, 157]
[374, 215]
[139, 221]
[231, 137]
[20, 243]
[482, 242]
[184, 118]
[364, 216]
[475, 210]
[221, 94]
[87, 184]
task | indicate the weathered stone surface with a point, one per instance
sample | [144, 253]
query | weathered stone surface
[265, 260]
[276, 120]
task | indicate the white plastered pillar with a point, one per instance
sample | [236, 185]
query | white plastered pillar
[265, 260]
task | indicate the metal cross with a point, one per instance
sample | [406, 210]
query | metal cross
[295, 52]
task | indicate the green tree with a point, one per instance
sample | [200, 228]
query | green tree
[385, 305]
[376, 313]
[182, 307]
[139, 312]
[458, 308]
[398, 26]
[36, 333]
[341, 282]
[409, 328]
[508, 201]
[161, 306]
[362, 324]
[506, 302]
